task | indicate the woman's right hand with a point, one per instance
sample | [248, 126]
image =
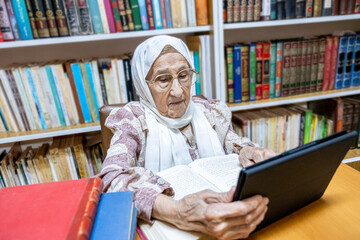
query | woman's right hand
[214, 214]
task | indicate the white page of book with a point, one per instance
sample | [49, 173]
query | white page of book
[222, 171]
[185, 181]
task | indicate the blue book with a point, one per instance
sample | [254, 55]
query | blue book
[348, 61]
[22, 19]
[197, 68]
[355, 67]
[237, 73]
[157, 14]
[168, 13]
[35, 97]
[55, 95]
[92, 85]
[2, 118]
[340, 63]
[116, 217]
[80, 89]
[143, 14]
[95, 16]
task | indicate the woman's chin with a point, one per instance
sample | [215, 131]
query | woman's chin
[176, 111]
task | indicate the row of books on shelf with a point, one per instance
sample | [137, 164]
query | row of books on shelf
[32, 19]
[66, 158]
[285, 128]
[256, 10]
[274, 69]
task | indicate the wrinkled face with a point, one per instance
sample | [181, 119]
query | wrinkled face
[173, 102]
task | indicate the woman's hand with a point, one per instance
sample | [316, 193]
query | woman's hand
[251, 155]
[214, 214]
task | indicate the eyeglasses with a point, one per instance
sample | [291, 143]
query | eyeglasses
[163, 82]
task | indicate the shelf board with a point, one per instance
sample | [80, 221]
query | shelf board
[48, 133]
[307, 97]
[101, 37]
[286, 22]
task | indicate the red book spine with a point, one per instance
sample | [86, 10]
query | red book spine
[334, 54]
[327, 63]
[335, 7]
[357, 6]
[115, 8]
[1, 37]
[266, 71]
[163, 13]
[259, 66]
[150, 14]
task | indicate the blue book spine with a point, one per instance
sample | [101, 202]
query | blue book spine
[168, 13]
[12, 18]
[22, 19]
[81, 92]
[197, 68]
[355, 67]
[157, 14]
[340, 63]
[237, 73]
[91, 80]
[55, 95]
[35, 97]
[348, 61]
[95, 16]
[143, 14]
[2, 118]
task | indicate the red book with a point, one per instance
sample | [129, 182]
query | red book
[115, 8]
[1, 37]
[327, 63]
[163, 13]
[55, 210]
[150, 14]
[266, 71]
[333, 62]
[110, 16]
[259, 66]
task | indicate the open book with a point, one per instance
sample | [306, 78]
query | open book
[216, 173]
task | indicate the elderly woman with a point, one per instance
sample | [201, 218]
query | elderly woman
[169, 127]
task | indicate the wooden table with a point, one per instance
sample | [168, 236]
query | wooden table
[334, 216]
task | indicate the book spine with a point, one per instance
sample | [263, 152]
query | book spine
[143, 13]
[307, 128]
[5, 26]
[129, 86]
[115, 9]
[242, 11]
[122, 80]
[309, 58]
[250, 10]
[60, 18]
[74, 92]
[265, 10]
[135, 9]
[103, 87]
[191, 12]
[12, 19]
[129, 16]
[293, 63]
[109, 16]
[309, 8]
[298, 67]
[257, 10]
[252, 68]
[273, 9]
[317, 8]
[150, 14]
[72, 17]
[40, 19]
[333, 63]
[327, 8]
[168, 13]
[95, 16]
[303, 67]
[340, 63]
[31, 15]
[314, 65]
[75, 68]
[348, 61]
[22, 19]
[244, 73]
[290, 8]
[201, 12]
[103, 17]
[327, 63]
[89, 81]
[235, 11]
[335, 7]
[300, 9]
[266, 71]
[343, 6]
[96, 76]
[85, 19]
[357, 10]
[183, 13]
[224, 11]
[123, 18]
[280, 9]
[279, 63]
[355, 68]
[237, 75]
[230, 73]
[197, 68]
[320, 73]
[259, 70]
[272, 69]
[286, 69]
[50, 16]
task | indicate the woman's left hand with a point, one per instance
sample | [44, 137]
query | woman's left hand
[251, 155]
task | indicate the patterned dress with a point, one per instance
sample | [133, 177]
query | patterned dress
[123, 168]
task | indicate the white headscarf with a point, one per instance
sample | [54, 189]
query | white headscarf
[165, 145]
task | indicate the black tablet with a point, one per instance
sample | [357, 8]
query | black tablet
[294, 178]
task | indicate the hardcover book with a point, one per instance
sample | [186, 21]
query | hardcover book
[272, 69]
[320, 73]
[333, 62]
[12, 18]
[314, 65]
[285, 86]
[237, 63]
[72, 16]
[95, 16]
[244, 73]
[22, 19]
[252, 71]
[279, 63]
[340, 62]
[266, 71]
[60, 17]
[85, 19]
[348, 61]
[5, 26]
[59, 210]
[327, 63]
[259, 70]
[50, 16]
[31, 15]
[355, 68]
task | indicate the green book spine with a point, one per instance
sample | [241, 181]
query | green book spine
[252, 67]
[307, 127]
[88, 92]
[230, 73]
[197, 68]
[272, 69]
[55, 95]
[135, 10]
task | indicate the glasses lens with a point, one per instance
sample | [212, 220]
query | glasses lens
[185, 77]
[163, 81]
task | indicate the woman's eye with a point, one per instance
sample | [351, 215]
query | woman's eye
[163, 79]
[183, 75]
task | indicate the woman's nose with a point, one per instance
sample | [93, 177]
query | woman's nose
[176, 89]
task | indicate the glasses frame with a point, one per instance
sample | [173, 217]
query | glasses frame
[173, 78]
